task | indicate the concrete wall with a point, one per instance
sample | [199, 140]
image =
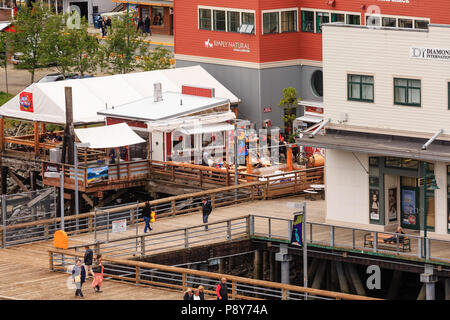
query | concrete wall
[261, 88]
[347, 189]
[385, 54]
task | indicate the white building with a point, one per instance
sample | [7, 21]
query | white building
[87, 7]
[386, 93]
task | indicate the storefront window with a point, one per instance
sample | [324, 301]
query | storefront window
[321, 18]
[307, 21]
[204, 16]
[407, 92]
[219, 20]
[158, 16]
[389, 22]
[288, 21]
[233, 21]
[337, 17]
[421, 24]
[360, 88]
[270, 22]
[248, 23]
[405, 23]
[353, 19]
[374, 21]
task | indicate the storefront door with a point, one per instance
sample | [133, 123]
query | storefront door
[410, 207]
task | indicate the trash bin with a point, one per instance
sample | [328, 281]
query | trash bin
[97, 21]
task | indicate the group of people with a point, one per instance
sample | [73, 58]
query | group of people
[199, 294]
[104, 24]
[143, 26]
[51, 137]
[80, 272]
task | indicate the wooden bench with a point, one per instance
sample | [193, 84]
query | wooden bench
[404, 244]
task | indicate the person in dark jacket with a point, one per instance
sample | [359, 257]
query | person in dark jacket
[188, 295]
[78, 277]
[88, 259]
[140, 26]
[102, 26]
[206, 211]
[147, 24]
[222, 290]
[146, 213]
[108, 23]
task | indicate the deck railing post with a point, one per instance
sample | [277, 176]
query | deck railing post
[375, 241]
[142, 246]
[252, 225]
[4, 219]
[229, 230]
[269, 225]
[419, 247]
[332, 236]
[138, 274]
[186, 238]
[233, 289]
[353, 238]
[428, 248]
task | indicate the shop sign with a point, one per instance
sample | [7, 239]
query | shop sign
[119, 226]
[234, 45]
[429, 53]
[267, 110]
[26, 101]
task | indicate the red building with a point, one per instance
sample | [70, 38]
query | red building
[256, 48]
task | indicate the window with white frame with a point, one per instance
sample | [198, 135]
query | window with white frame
[312, 19]
[270, 22]
[226, 19]
[397, 22]
[289, 21]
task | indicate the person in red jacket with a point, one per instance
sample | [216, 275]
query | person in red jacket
[222, 290]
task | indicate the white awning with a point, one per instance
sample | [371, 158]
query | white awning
[117, 135]
[311, 103]
[207, 128]
[309, 118]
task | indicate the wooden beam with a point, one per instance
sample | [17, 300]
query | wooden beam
[356, 280]
[113, 197]
[341, 277]
[87, 199]
[17, 180]
[36, 138]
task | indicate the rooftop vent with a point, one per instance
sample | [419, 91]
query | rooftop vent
[157, 92]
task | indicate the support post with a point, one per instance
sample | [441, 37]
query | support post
[284, 259]
[289, 158]
[319, 275]
[447, 288]
[4, 219]
[341, 277]
[257, 265]
[356, 280]
[36, 138]
[2, 134]
[429, 280]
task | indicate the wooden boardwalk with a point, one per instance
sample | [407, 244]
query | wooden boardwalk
[24, 270]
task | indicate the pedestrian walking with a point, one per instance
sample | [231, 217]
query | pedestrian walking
[140, 26]
[103, 27]
[188, 295]
[201, 292]
[88, 259]
[146, 213]
[147, 23]
[196, 295]
[108, 23]
[206, 211]
[78, 277]
[222, 289]
[98, 274]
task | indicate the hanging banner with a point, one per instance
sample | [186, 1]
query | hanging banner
[98, 174]
[374, 205]
[297, 230]
[26, 101]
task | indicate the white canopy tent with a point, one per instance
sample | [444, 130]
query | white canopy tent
[91, 95]
[113, 136]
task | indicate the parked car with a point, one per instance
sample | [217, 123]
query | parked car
[59, 77]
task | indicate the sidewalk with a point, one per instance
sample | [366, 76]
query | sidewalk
[155, 39]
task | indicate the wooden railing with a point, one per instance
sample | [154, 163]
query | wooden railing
[202, 176]
[85, 221]
[146, 273]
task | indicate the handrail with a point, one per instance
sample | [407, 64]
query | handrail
[234, 279]
[140, 205]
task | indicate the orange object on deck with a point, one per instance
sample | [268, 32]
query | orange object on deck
[317, 160]
[289, 159]
[60, 240]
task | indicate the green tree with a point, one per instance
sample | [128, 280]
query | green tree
[123, 47]
[32, 30]
[159, 58]
[289, 102]
[86, 50]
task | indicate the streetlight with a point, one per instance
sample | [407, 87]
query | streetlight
[75, 161]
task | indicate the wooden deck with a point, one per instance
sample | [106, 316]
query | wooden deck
[24, 270]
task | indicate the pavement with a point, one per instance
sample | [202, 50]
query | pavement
[154, 40]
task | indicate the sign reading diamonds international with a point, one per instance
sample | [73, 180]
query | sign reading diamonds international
[429, 53]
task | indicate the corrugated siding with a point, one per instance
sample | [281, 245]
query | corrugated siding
[385, 55]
